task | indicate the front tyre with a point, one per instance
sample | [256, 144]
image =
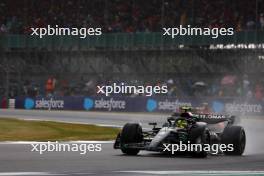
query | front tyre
[202, 140]
[131, 133]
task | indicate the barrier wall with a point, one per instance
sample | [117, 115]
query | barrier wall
[139, 104]
[127, 40]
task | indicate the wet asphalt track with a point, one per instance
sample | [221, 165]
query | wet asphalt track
[17, 159]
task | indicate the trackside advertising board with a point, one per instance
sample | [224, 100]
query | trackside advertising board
[139, 104]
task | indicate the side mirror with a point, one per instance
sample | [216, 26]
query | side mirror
[170, 119]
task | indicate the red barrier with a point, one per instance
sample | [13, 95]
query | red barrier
[4, 103]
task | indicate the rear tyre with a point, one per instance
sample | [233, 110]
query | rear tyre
[131, 133]
[236, 136]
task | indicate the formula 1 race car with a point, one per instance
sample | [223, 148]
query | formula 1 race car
[216, 134]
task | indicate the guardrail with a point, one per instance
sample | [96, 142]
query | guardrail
[127, 40]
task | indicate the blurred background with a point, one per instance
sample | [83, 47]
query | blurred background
[132, 49]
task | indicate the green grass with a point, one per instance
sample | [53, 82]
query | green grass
[25, 130]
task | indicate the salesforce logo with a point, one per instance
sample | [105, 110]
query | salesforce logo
[29, 103]
[165, 105]
[88, 103]
[106, 104]
[43, 104]
[151, 105]
[109, 104]
[49, 104]
[218, 106]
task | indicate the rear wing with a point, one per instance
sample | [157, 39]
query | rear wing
[215, 118]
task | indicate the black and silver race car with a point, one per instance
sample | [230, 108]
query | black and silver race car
[205, 130]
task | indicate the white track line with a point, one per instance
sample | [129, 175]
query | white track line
[189, 173]
[38, 173]
[74, 142]
[27, 173]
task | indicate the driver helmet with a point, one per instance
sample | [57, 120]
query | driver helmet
[185, 109]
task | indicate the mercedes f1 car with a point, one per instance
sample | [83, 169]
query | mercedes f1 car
[185, 128]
